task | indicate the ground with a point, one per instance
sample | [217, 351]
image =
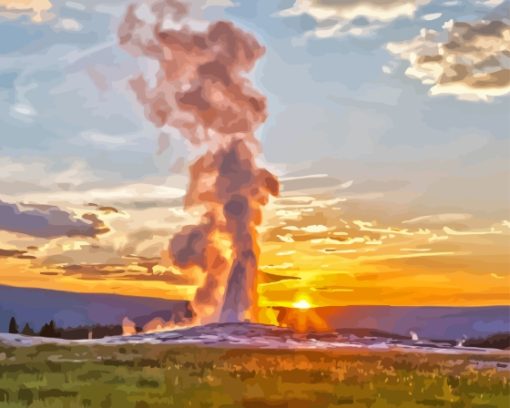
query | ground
[144, 375]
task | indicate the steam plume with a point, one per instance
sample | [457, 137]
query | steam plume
[200, 89]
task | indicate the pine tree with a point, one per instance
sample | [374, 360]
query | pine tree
[13, 326]
[53, 330]
[49, 330]
[44, 330]
[27, 330]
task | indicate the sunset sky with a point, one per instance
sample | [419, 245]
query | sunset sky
[388, 126]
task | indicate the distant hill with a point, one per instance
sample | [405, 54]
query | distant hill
[499, 341]
[69, 309]
[429, 322]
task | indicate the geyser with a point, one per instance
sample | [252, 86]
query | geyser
[200, 89]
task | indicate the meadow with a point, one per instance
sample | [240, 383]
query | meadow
[147, 376]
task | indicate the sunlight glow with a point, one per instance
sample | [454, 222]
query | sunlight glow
[301, 304]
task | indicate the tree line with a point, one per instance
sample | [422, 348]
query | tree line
[50, 329]
[47, 330]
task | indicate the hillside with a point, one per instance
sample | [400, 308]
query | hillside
[430, 322]
[37, 306]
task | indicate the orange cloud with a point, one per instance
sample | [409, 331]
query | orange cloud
[36, 9]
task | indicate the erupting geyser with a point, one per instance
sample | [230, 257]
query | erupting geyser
[200, 89]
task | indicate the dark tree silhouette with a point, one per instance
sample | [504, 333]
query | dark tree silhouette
[49, 330]
[13, 326]
[98, 331]
[27, 330]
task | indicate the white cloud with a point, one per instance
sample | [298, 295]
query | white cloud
[377, 10]
[314, 229]
[490, 231]
[437, 238]
[104, 140]
[19, 175]
[329, 241]
[431, 16]
[126, 195]
[78, 173]
[23, 112]
[75, 5]
[309, 176]
[491, 3]
[335, 17]
[468, 60]
[286, 238]
[24, 109]
[68, 24]
[438, 218]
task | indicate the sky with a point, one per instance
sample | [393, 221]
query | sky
[388, 126]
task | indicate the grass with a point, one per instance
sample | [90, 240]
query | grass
[144, 376]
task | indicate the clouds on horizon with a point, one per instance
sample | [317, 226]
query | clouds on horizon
[47, 221]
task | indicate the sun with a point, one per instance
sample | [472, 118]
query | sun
[301, 304]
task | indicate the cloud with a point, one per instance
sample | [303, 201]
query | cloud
[415, 249]
[390, 256]
[68, 24]
[36, 9]
[331, 241]
[10, 252]
[305, 177]
[105, 140]
[491, 3]
[354, 17]
[219, 3]
[431, 16]
[47, 221]
[267, 277]
[438, 218]
[78, 173]
[314, 228]
[468, 60]
[436, 238]
[32, 173]
[25, 110]
[129, 195]
[490, 231]
[286, 238]
[380, 10]
[313, 182]
[15, 253]
[368, 227]
[338, 251]
[140, 271]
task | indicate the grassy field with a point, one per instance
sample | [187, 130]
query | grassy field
[145, 376]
